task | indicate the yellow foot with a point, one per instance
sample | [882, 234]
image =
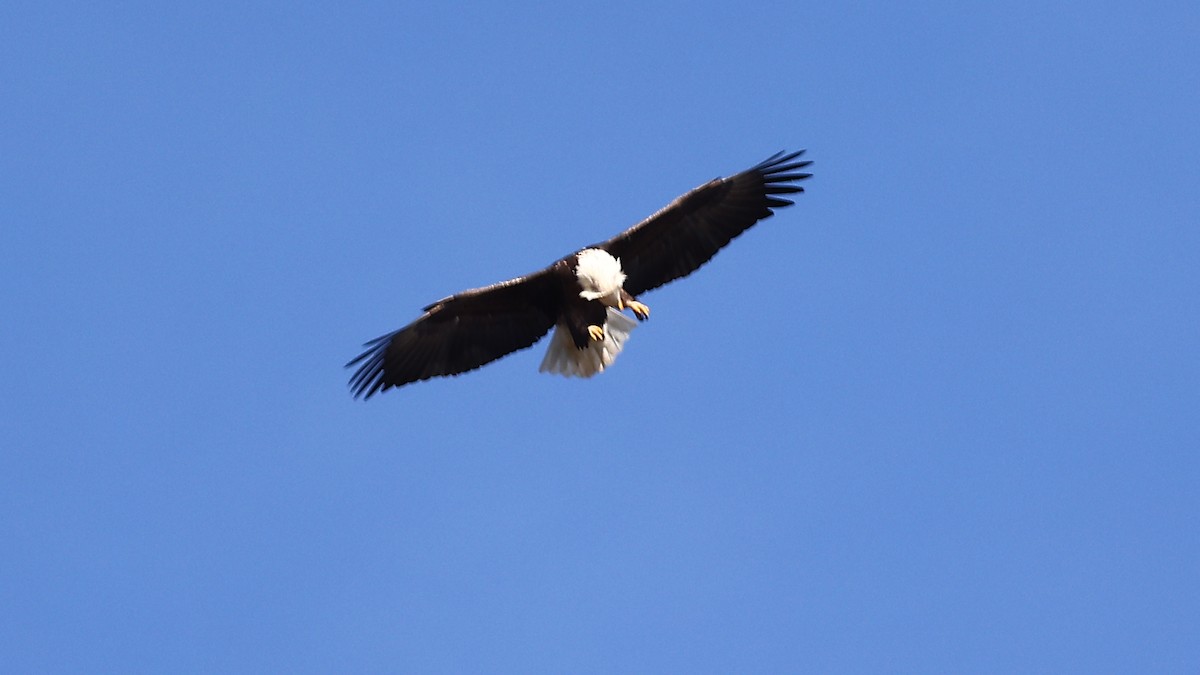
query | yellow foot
[596, 332]
[642, 311]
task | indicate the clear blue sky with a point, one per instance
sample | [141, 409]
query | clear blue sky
[940, 416]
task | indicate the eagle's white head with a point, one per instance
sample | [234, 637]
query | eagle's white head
[600, 276]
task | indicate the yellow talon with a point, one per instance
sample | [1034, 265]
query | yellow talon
[642, 311]
[596, 332]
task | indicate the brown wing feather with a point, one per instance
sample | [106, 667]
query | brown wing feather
[680, 238]
[458, 334]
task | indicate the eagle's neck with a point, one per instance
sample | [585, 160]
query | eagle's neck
[599, 276]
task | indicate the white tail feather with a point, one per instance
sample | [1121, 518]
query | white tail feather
[564, 358]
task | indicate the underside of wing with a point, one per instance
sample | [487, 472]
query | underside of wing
[458, 334]
[687, 233]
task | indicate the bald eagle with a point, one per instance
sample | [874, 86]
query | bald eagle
[582, 295]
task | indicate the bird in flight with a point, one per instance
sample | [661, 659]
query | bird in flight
[583, 295]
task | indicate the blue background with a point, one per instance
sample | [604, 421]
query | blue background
[940, 416]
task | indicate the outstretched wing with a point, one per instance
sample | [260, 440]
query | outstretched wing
[459, 333]
[680, 238]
